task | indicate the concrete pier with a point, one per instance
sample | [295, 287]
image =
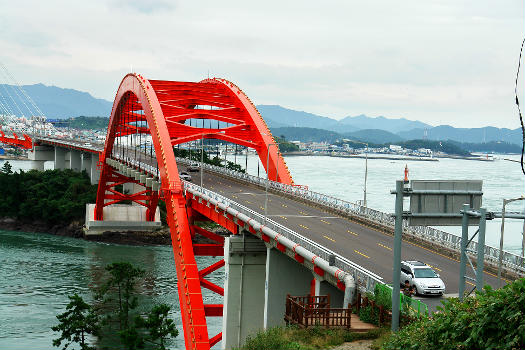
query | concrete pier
[120, 218]
[283, 276]
[244, 289]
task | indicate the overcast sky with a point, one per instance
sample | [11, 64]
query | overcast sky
[442, 62]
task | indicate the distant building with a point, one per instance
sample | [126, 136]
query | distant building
[396, 148]
[424, 150]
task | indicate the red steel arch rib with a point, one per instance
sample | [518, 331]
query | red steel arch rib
[166, 105]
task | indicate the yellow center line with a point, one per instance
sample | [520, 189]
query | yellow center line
[326, 222]
[305, 227]
[384, 246]
[330, 239]
[284, 205]
[283, 217]
[358, 252]
[435, 268]
[355, 234]
[472, 284]
[261, 207]
[248, 202]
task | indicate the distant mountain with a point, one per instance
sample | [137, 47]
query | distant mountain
[54, 102]
[57, 102]
[373, 136]
[277, 117]
[320, 135]
[473, 135]
[306, 134]
[391, 125]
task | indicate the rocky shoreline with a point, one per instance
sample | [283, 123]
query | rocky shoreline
[75, 230]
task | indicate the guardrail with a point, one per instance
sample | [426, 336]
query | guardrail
[510, 261]
[364, 278]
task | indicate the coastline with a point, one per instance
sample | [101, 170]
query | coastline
[75, 230]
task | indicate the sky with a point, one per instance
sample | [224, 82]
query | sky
[441, 62]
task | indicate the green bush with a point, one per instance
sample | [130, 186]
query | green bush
[493, 319]
[294, 338]
[369, 315]
[52, 196]
[272, 338]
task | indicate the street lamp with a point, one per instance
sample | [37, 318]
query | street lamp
[202, 155]
[268, 176]
[500, 258]
[366, 168]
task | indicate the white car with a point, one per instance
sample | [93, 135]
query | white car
[185, 176]
[422, 277]
[194, 167]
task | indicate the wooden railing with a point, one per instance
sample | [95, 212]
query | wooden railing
[383, 314]
[311, 311]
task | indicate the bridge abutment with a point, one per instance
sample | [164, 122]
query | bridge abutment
[283, 276]
[120, 218]
[244, 289]
[75, 160]
[60, 158]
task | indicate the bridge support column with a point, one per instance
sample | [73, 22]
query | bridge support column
[245, 267]
[74, 160]
[85, 162]
[60, 158]
[37, 165]
[94, 172]
[336, 295]
[283, 276]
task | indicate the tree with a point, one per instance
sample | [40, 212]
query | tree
[158, 325]
[7, 168]
[122, 280]
[78, 321]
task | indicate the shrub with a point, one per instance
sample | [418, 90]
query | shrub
[493, 319]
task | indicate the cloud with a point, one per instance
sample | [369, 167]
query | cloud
[142, 6]
[428, 61]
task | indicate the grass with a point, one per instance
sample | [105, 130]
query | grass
[294, 338]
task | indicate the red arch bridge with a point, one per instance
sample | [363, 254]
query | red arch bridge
[266, 256]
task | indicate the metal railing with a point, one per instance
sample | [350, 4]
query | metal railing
[510, 261]
[365, 279]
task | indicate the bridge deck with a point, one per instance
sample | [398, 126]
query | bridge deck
[364, 245]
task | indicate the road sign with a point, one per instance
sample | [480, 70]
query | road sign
[439, 203]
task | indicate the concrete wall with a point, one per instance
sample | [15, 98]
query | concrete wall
[258, 279]
[244, 290]
[120, 217]
[60, 158]
[283, 276]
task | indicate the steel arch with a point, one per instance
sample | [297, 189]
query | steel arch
[167, 105]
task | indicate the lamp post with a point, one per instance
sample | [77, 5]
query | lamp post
[500, 258]
[268, 177]
[202, 155]
[366, 168]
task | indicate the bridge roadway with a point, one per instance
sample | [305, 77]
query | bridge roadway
[366, 246]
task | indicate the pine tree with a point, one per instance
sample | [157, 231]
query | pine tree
[76, 323]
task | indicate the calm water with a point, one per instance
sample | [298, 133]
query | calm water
[38, 271]
[344, 178]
